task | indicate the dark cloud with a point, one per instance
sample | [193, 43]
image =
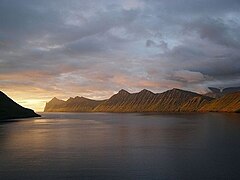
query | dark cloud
[216, 30]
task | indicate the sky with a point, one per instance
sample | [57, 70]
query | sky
[94, 48]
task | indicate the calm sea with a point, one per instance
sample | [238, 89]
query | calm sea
[121, 146]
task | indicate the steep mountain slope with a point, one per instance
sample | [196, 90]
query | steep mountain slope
[124, 101]
[173, 100]
[227, 103]
[195, 103]
[77, 104]
[11, 110]
[146, 101]
[54, 105]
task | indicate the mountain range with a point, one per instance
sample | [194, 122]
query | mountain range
[174, 100]
[77, 104]
[217, 92]
[11, 110]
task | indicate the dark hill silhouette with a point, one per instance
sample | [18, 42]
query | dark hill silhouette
[11, 110]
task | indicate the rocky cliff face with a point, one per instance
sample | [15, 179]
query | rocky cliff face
[227, 103]
[175, 100]
[54, 105]
[124, 101]
[195, 103]
[77, 104]
[144, 101]
[11, 110]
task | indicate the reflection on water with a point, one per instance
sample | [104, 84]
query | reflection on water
[121, 146]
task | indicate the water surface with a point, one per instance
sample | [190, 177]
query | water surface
[121, 146]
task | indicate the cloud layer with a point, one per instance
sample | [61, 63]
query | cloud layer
[94, 48]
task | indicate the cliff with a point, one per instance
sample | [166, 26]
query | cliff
[77, 104]
[174, 100]
[11, 110]
[147, 101]
[227, 103]
[195, 104]
[124, 101]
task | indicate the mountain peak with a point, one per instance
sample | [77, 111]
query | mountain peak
[175, 92]
[145, 91]
[123, 92]
[176, 89]
[79, 97]
[54, 100]
[70, 99]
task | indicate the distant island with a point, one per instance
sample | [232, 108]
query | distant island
[11, 110]
[174, 100]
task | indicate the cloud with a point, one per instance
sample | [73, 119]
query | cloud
[162, 44]
[94, 48]
[216, 30]
[188, 76]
